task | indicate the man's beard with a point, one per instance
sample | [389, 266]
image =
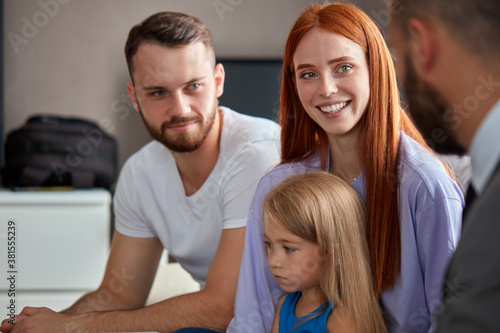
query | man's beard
[427, 108]
[182, 142]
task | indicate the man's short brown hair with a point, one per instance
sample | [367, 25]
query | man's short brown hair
[168, 29]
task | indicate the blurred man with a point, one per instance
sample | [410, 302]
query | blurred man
[448, 59]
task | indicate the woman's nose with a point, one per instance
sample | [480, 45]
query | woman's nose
[328, 86]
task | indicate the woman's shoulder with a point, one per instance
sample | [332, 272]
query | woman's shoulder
[414, 155]
[420, 169]
[279, 173]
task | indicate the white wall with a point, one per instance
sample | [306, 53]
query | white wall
[66, 57]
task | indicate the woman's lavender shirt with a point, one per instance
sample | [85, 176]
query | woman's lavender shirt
[430, 213]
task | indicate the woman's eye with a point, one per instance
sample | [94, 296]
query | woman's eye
[288, 249]
[308, 75]
[345, 68]
[268, 245]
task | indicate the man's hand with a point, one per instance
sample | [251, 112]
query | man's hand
[38, 320]
[211, 307]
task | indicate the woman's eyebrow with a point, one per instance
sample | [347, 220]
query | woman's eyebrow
[333, 61]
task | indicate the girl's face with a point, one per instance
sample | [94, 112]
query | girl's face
[295, 263]
[332, 81]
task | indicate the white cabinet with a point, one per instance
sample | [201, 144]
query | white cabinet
[61, 244]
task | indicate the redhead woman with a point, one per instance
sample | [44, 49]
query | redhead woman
[340, 112]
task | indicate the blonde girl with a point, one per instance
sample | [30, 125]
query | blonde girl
[315, 239]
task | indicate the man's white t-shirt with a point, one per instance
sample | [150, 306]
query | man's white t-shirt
[150, 200]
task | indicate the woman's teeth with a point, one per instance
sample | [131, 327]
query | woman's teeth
[333, 108]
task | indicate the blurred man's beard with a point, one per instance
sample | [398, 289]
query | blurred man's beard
[182, 142]
[427, 108]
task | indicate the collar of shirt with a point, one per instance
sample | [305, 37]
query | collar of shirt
[485, 149]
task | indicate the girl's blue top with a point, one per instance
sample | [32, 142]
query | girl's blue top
[311, 323]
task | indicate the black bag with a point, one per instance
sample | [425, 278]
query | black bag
[57, 151]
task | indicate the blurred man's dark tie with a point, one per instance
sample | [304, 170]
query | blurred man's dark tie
[470, 196]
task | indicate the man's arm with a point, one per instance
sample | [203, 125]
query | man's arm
[211, 307]
[129, 274]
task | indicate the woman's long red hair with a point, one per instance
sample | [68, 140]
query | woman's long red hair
[378, 140]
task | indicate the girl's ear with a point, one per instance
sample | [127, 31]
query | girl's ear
[324, 254]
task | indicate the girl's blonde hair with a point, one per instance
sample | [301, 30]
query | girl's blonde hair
[324, 209]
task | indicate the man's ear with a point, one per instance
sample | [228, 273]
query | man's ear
[220, 76]
[423, 48]
[132, 95]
